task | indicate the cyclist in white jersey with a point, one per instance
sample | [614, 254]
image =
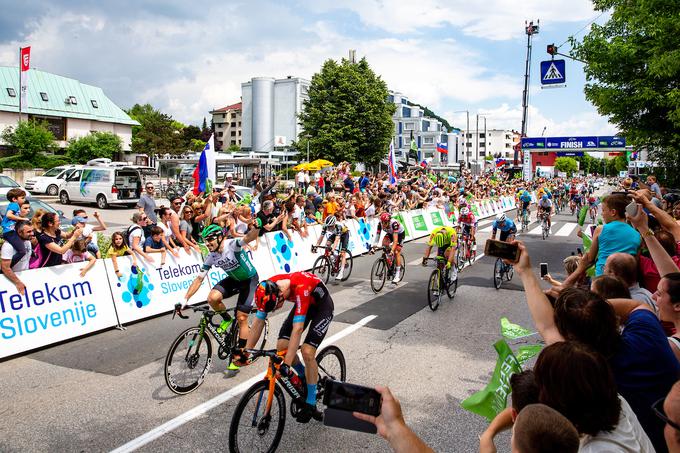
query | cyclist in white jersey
[241, 279]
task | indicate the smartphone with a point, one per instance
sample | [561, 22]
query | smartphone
[337, 418]
[352, 397]
[632, 209]
[501, 249]
[544, 269]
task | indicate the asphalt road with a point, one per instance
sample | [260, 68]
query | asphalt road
[107, 390]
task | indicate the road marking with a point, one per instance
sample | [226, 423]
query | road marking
[415, 262]
[180, 420]
[566, 229]
[537, 230]
[487, 229]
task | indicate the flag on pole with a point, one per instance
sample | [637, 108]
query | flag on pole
[392, 164]
[25, 53]
[500, 162]
[204, 174]
[443, 148]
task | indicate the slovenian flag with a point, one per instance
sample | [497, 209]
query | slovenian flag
[443, 148]
[392, 164]
[500, 162]
[204, 174]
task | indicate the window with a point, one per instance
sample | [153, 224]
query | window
[220, 134]
[72, 100]
[94, 103]
[218, 125]
[408, 126]
[239, 124]
[481, 144]
[11, 93]
[56, 125]
[43, 96]
[468, 135]
[233, 133]
[507, 145]
[404, 101]
[482, 153]
[233, 115]
[239, 132]
[482, 135]
[233, 142]
[233, 124]
[469, 145]
[428, 140]
[224, 115]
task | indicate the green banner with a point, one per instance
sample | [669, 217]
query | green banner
[436, 218]
[400, 218]
[419, 222]
[525, 353]
[513, 331]
[493, 399]
[475, 211]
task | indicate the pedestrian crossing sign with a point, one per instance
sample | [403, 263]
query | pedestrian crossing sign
[553, 73]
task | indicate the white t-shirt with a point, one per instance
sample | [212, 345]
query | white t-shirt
[167, 232]
[7, 252]
[70, 257]
[627, 437]
[137, 232]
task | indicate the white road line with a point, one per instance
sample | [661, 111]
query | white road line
[537, 230]
[481, 223]
[566, 229]
[178, 421]
[487, 229]
[415, 262]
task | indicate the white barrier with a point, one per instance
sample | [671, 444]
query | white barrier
[150, 289]
[58, 304]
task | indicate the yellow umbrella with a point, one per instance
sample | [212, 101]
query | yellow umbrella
[323, 163]
[312, 166]
[299, 167]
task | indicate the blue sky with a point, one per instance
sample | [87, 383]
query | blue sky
[447, 54]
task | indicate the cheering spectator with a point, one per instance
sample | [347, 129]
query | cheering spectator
[78, 253]
[50, 238]
[80, 220]
[117, 249]
[255, 178]
[609, 287]
[35, 221]
[267, 219]
[24, 231]
[176, 206]
[185, 226]
[624, 267]
[16, 198]
[136, 236]
[654, 186]
[156, 243]
[147, 205]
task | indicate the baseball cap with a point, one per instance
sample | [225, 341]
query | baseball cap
[78, 219]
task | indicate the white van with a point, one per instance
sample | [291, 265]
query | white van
[102, 185]
[49, 182]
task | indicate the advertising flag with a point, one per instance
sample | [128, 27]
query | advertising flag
[25, 53]
[392, 164]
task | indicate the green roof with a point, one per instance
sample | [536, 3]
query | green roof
[57, 89]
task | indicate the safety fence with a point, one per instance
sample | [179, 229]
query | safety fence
[58, 304]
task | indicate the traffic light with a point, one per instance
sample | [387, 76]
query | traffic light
[552, 49]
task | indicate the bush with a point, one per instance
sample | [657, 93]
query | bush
[41, 161]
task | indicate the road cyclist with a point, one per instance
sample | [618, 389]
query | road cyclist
[508, 230]
[241, 279]
[312, 310]
[525, 200]
[445, 239]
[468, 229]
[394, 238]
[545, 206]
[593, 203]
[337, 235]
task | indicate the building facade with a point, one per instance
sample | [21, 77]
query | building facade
[271, 109]
[70, 108]
[497, 143]
[228, 128]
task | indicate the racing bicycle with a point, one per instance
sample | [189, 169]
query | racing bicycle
[545, 226]
[525, 219]
[501, 271]
[328, 264]
[465, 250]
[260, 415]
[439, 282]
[384, 268]
[190, 356]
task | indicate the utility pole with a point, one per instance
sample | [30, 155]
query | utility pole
[477, 139]
[467, 131]
[531, 30]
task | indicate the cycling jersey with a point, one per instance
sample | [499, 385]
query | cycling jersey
[525, 196]
[508, 225]
[467, 219]
[303, 292]
[233, 260]
[449, 233]
[545, 204]
[338, 228]
[394, 226]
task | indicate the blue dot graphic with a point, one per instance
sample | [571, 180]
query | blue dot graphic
[286, 267]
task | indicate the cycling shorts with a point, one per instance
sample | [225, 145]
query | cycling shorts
[344, 240]
[244, 288]
[525, 205]
[442, 250]
[466, 229]
[319, 317]
[546, 209]
[505, 234]
[387, 240]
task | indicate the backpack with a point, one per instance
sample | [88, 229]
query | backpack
[37, 259]
[128, 232]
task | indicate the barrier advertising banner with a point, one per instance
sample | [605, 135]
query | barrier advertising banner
[149, 288]
[437, 219]
[57, 304]
[419, 224]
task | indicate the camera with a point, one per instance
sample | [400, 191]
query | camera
[501, 249]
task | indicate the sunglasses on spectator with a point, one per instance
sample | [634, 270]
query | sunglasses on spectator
[176, 202]
[658, 411]
[143, 218]
[149, 187]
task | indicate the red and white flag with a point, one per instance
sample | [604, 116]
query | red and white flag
[25, 66]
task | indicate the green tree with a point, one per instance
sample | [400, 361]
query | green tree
[632, 72]
[94, 145]
[347, 115]
[157, 132]
[196, 145]
[30, 140]
[233, 148]
[567, 165]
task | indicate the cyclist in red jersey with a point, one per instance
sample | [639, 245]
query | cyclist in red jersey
[313, 306]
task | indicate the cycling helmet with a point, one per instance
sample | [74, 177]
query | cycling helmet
[211, 230]
[385, 217]
[464, 211]
[545, 196]
[500, 217]
[439, 239]
[462, 190]
[330, 221]
[266, 295]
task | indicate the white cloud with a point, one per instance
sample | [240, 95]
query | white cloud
[489, 19]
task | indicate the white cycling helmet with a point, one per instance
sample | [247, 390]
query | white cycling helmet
[330, 221]
[464, 211]
[500, 217]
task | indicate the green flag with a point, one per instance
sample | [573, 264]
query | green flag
[493, 399]
[582, 215]
[513, 331]
[524, 353]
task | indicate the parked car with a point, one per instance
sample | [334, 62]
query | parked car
[39, 204]
[49, 182]
[7, 183]
[103, 185]
[241, 192]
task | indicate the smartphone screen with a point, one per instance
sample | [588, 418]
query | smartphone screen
[351, 397]
[544, 269]
[632, 209]
[501, 249]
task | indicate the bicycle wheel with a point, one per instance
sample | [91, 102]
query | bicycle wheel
[322, 269]
[434, 290]
[498, 273]
[188, 361]
[472, 255]
[252, 428]
[378, 275]
[451, 287]
[348, 265]
[544, 230]
[332, 366]
[460, 256]
[509, 272]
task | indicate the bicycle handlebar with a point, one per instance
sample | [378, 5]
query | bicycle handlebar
[207, 310]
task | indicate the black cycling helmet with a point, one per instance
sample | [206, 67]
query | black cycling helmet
[266, 296]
